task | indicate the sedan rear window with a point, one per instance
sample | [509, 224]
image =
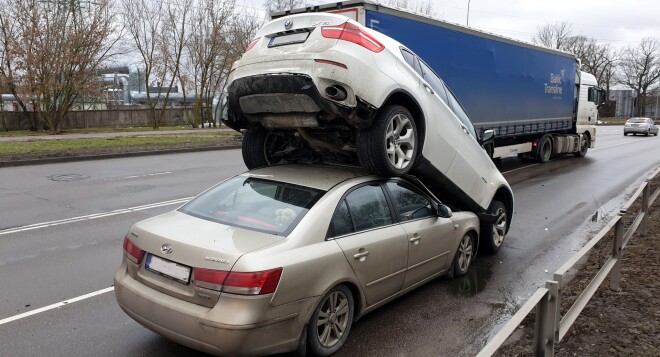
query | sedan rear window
[256, 204]
[638, 120]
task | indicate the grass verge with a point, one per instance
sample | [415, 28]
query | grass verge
[91, 146]
[96, 130]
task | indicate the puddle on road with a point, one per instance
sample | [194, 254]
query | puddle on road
[473, 282]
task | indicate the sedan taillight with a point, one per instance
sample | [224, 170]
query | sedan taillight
[132, 251]
[255, 283]
[352, 33]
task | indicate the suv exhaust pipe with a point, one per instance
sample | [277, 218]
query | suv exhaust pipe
[336, 92]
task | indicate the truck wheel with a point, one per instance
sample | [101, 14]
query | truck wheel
[331, 322]
[492, 235]
[584, 148]
[544, 149]
[389, 146]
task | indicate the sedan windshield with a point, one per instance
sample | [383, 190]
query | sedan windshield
[256, 204]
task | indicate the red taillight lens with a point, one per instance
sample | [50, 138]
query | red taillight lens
[132, 251]
[254, 42]
[256, 283]
[210, 279]
[352, 33]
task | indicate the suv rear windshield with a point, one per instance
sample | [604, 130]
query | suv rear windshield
[256, 204]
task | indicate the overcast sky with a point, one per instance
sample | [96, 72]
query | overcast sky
[619, 22]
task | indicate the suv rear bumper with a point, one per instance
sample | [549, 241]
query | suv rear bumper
[271, 97]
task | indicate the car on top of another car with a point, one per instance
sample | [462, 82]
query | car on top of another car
[322, 88]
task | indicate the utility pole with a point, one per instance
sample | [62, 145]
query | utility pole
[467, 21]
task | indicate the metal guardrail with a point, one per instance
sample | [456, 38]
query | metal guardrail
[551, 327]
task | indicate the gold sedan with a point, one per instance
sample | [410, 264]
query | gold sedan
[286, 258]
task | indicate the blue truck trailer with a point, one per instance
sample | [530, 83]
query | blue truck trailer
[536, 99]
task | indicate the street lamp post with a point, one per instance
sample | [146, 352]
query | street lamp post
[467, 21]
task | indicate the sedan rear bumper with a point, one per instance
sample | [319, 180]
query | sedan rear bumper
[199, 327]
[637, 130]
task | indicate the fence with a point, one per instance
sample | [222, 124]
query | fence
[98, 119]
[550, 326]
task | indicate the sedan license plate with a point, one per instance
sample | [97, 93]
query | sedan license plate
[288, 39]
[168, 269]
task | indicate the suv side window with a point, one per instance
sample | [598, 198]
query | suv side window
[409, 203]
[461, 114]
[410, 59]
[434, 81]
[364, 208]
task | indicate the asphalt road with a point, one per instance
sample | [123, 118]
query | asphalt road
[62, 226]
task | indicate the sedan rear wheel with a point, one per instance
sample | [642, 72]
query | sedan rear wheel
[389, 147]
[464, 255]
[331, 322]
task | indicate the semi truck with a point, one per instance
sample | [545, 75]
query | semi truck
[536, 100]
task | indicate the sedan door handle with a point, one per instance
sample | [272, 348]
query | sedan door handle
[415, 239]
[428, 88]
[361, 255]
[464, 129]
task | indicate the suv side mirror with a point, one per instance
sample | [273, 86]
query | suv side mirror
[444, 211]
[487, 137]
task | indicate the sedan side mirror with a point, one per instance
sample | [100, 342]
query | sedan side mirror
[444, 211]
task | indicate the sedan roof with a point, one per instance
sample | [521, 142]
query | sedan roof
[322, 177]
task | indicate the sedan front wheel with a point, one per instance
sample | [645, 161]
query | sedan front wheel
[464, 256]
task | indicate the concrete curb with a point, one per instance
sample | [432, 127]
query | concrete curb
[52, 160]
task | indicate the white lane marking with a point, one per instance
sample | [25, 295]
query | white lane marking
[55, 306]
[619, 144]
[520, 168]
[93, 216]
[138, 176]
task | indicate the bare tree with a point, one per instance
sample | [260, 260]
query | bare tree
[424, 7]
[158, 32]
[283, 5]
[558, 35]
[51, 50]
[598, 59]
[640, 69]
[206, 52]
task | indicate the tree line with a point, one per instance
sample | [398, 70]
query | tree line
[51, 51]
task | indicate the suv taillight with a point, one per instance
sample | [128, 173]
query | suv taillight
[132, 251]
[352, 33]
[255, 283]
[252, 43]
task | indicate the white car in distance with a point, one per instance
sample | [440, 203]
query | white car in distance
[319, 88]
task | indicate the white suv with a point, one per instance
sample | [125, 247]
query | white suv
[319, 87]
